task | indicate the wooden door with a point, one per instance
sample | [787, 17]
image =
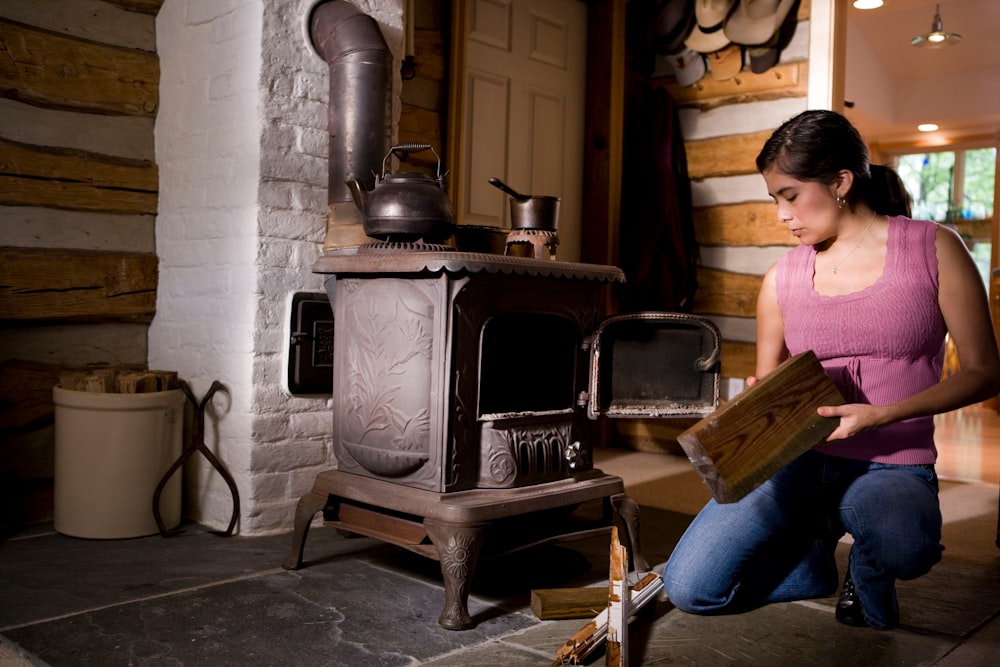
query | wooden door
[521, 106]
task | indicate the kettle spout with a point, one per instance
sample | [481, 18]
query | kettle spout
[357, 192]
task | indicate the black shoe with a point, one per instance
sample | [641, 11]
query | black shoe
[849, 611]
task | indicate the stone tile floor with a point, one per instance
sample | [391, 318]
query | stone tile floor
[200, 599]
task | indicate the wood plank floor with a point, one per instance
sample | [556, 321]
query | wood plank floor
[968, 442]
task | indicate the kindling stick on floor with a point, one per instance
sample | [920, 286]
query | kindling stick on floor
[616, 643]
[589, 637]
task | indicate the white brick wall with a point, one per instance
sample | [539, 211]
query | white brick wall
[241, 144]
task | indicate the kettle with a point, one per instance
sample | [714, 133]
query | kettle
[405, 206]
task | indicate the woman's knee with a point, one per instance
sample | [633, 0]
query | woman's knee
[895, 519]
[693, 597]
[915, 559]
[691, 586]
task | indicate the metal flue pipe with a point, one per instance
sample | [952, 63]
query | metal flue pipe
[360, 110]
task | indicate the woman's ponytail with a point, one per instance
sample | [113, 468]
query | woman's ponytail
[887, 194]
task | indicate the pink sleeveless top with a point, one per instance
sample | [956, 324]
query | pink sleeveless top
[879, 345]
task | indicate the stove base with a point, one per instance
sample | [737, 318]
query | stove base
[453, 528]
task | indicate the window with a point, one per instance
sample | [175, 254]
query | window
[955, 187]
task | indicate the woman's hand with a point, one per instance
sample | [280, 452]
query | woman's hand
[854, 418]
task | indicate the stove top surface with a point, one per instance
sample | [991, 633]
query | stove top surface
[417, 258]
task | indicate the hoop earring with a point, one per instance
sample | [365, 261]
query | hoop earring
[841, 202]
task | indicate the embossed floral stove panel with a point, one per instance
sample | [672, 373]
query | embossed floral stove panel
[456, 371]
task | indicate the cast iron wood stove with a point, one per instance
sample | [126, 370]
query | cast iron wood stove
[466, 386]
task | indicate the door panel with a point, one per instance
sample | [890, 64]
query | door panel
[486, 154]
[523, 110]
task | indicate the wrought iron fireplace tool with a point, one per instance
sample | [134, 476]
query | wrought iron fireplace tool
[197, 444]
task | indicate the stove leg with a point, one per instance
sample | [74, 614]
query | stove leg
[628, 510]
[307, 507]
[458, 547]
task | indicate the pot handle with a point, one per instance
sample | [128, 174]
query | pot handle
[402, 151]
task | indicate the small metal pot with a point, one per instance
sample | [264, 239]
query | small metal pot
[535, 212]
[530, 211]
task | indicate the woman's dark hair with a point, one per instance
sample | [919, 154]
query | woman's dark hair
[888, 194]
[816, 145]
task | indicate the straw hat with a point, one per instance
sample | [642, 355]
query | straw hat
[708, 34]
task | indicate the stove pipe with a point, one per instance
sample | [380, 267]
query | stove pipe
[360, 111]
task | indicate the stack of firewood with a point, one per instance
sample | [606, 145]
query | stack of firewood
[118, 380]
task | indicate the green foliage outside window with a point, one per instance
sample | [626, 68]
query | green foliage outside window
[980, 173]
[954, 187]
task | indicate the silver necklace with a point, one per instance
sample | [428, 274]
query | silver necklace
[856, 245]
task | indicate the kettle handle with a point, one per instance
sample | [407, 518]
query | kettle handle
[402, 151]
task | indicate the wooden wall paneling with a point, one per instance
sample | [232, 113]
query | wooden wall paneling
[79, 86]
[51, 70]
[604, 133]
[53, 284]
[739, 359]
[26, 394]
[75, 343]
[456, 97]
[103, 134]
[423, 102]
[743, 224]
[737, 222]
[782, 80]
[74, 196]
[65, 178]
[731, 155]
[429, 53]
[95, 20]
[420, 126]
[726, 293]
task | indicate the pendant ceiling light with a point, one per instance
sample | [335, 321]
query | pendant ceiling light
[937, 37]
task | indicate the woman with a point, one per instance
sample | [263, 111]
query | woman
[873, 294]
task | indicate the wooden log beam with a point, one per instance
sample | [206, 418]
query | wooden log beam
[421, 126]
[744, 224]
[51, 70]
[781, 81]
[55, 284]
[71, 179]
[429, 51]
[739, 359]
[730, 155]
[26, 394]
[726, 293]
[74, 197]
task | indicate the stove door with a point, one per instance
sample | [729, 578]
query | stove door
[658, 365]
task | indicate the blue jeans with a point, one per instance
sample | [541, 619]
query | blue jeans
[777, 544]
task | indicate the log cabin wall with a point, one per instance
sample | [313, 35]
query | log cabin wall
[106, 153]
[78, 196]
[725, 124]
[90, 251]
